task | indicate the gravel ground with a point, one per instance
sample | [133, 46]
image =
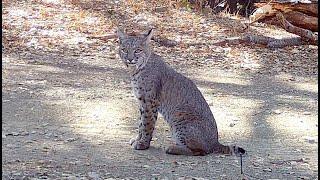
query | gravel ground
[68, 110]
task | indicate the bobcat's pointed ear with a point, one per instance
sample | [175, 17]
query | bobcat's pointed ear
[149, 36]
[120, 34]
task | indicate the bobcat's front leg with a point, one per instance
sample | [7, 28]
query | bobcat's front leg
[148, 117]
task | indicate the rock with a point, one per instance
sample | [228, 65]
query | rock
[277, 111]
[87, 164]
[303, 177]
[255, 164]
[160, 9]
[107, 174]
[306, 113]
[310, 140]
[232, 124]
[175, 163]
[24, 133]
[10, 146]
[267, 170]
[13, 134]
[293, 163]
[93, 175]
[16, 174]
[70, 139]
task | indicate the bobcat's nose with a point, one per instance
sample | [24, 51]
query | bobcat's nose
[130, 60]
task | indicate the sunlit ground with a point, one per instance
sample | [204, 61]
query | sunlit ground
[245, 111]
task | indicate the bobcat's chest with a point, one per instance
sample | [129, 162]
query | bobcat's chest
[137, 86]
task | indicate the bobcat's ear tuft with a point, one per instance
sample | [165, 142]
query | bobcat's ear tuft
[120, 34]
[149, 36]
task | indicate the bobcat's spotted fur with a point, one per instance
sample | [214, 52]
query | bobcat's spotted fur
[159, 88]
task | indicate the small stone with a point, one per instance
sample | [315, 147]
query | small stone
[24, 133]
[146, 166]
[277, 111]
[10, 146]
[303, 177]
[306, 113]
[42, 161]
[310, 140]
[267, 170]
[70, 139]
[14, 134]
[17, 174]
[33, 132]
[232, 124]
[293, 163]
[93, 175]
[255, 164]
[160, 9]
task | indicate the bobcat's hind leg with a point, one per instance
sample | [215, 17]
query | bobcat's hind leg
[183, 150]
[179, 150]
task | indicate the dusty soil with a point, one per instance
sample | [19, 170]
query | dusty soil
[69, 113]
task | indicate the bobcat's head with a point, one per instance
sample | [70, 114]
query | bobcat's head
[134, 50]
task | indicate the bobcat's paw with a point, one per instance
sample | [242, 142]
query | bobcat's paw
[138, 145]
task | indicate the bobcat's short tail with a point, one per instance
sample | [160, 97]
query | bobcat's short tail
[231, 150]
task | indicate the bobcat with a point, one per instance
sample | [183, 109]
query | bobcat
[159, 88]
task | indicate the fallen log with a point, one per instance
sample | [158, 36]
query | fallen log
[310, 9]
[303, 33]
[302, 20]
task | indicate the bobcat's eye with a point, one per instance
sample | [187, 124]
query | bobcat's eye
[138, 51]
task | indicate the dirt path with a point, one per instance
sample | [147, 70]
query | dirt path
[75, 120]
[70, 114]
